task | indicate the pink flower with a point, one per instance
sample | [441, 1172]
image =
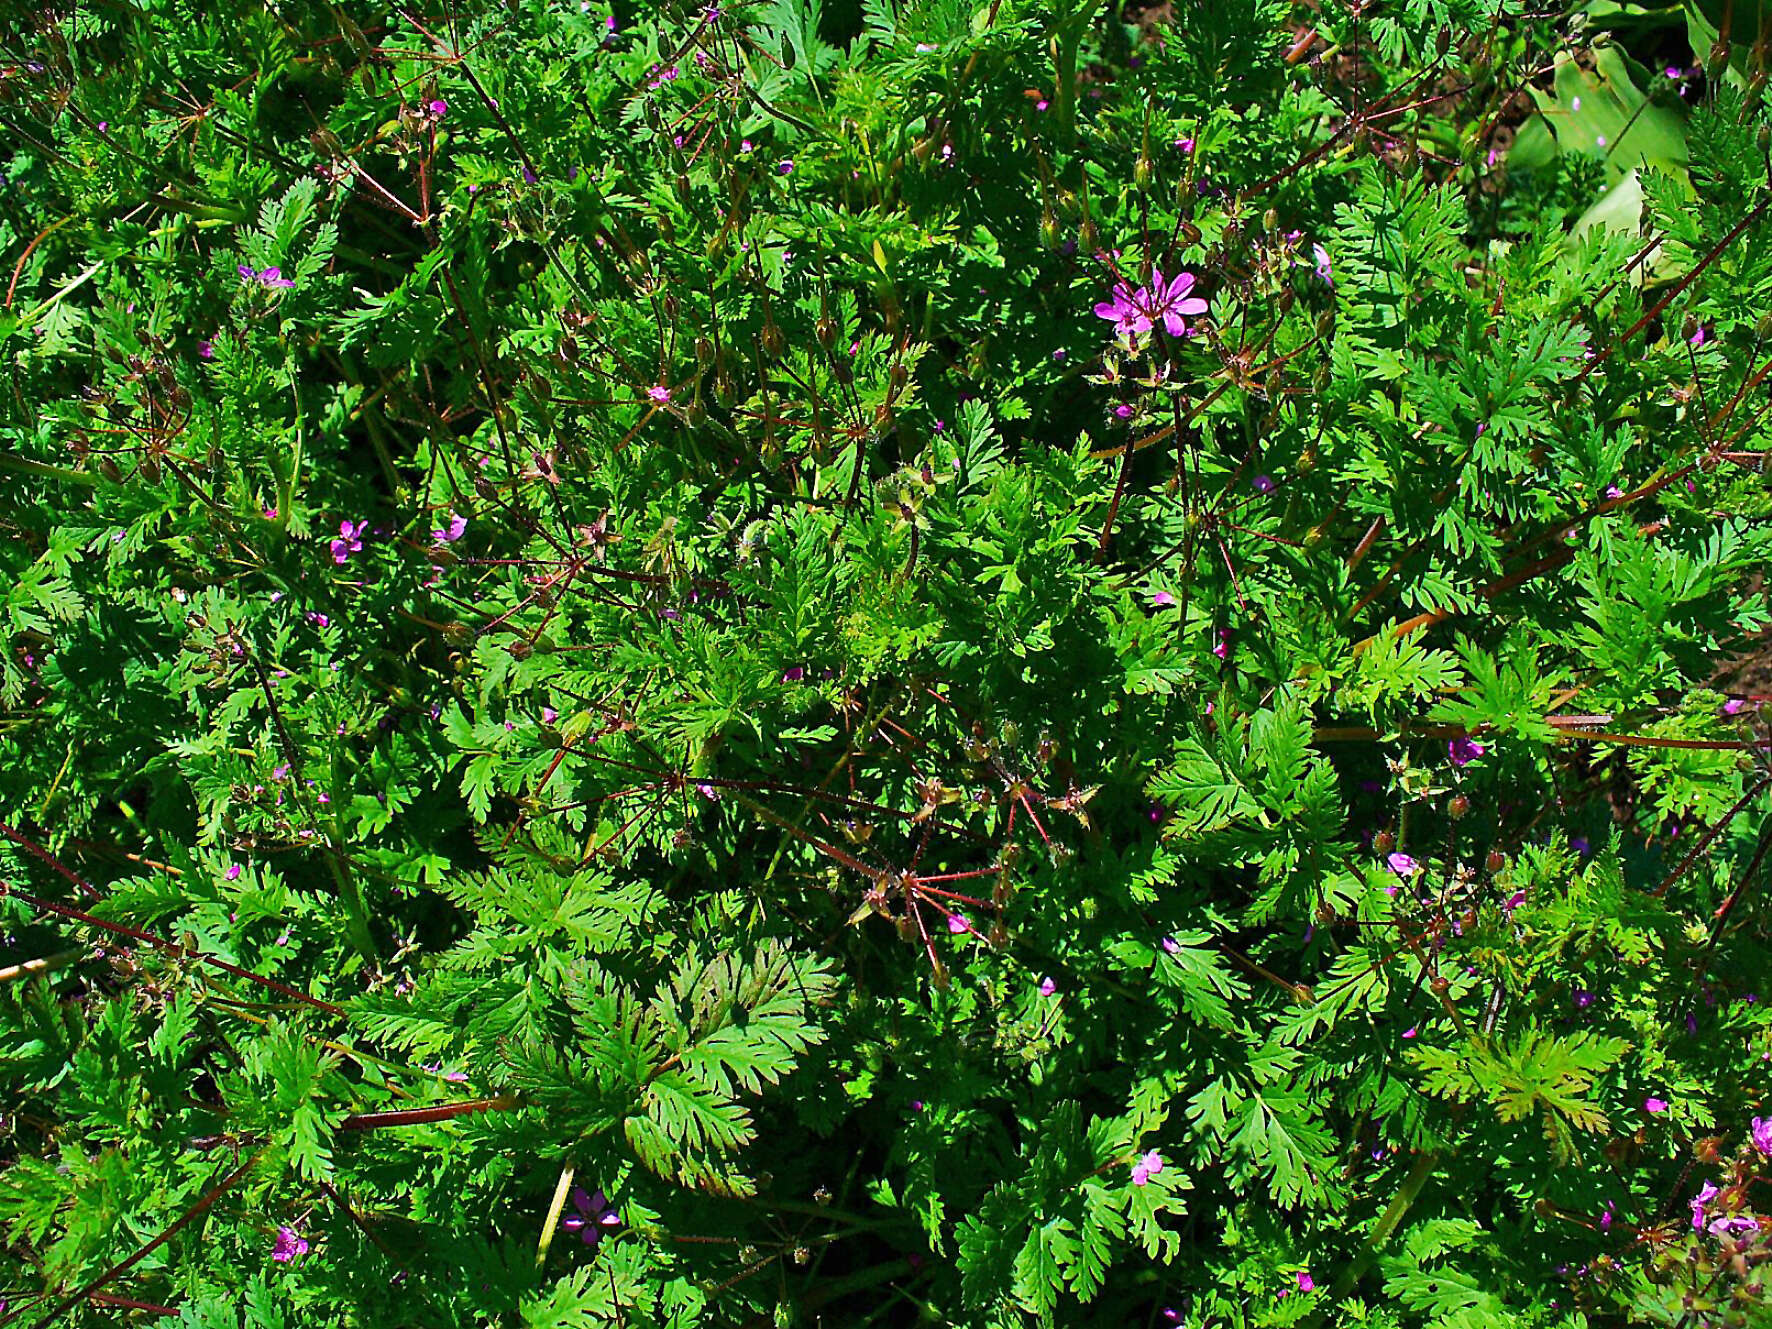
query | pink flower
[1403, 865]
[1223, 649]
[1305, 1283]
[205, 349]
[1146, 1168]
[437, 107]
[1185, 144]
[288, 1245]
[659, 393]
[1325, 270]
[267, 277]
[1047, 987]
[350, 540]
[1763, 1135]
[1655, 1105]
[958, 924]
[1162, 600]
[1135, 312]
[1463, 751]
[1171, 946]
[452, 532]
[1706, 1194]
[233, 872]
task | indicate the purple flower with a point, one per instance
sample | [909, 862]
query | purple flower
[1464, 750]
[288, 1245]
[1305, 1282]
[452, 532]
[437, 107]
[1324, 269]
[1583, 999]
[233, 872]
[595, 1217]
[1146, 1168]
[1135, 311]
[1410, 1032]
[1171, 946]
[1654, 1105]
[1763, 1135]
[350, 540]
[1606, 1216]
[1702, 336]
[1403, 865]
[1223, 647]
[1047, 987]
[1263, 484]
[205, 349]
[1185, 144]
[266, 277]
[786, 166]
[1706, 1194]
[793, 675]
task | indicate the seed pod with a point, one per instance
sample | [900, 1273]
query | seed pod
[521, 649]
[704, 351]
[1384, 842]
[1190, 234]
[149, 469]
[1088, 237]
[1458, 807]
[107, 467]
[1439, 985]
[773, 341]
[1050, 235]
[900, 376]
[1442, 42]
[1689, 328]
[1496, 861]
[1718, 61]
[827, 333]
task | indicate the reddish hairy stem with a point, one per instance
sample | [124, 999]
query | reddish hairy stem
[375, 1121]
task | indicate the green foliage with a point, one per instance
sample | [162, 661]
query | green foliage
[648, 679]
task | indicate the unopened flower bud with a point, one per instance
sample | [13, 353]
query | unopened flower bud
[1763, 329]
[827, 333]
[1458, 807]
[1271, 219]
[1442, 42]
[1718, 61]
[1143, 172]
[704, 351]
[773, 341]
[1496, 861]
[1383, 842]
